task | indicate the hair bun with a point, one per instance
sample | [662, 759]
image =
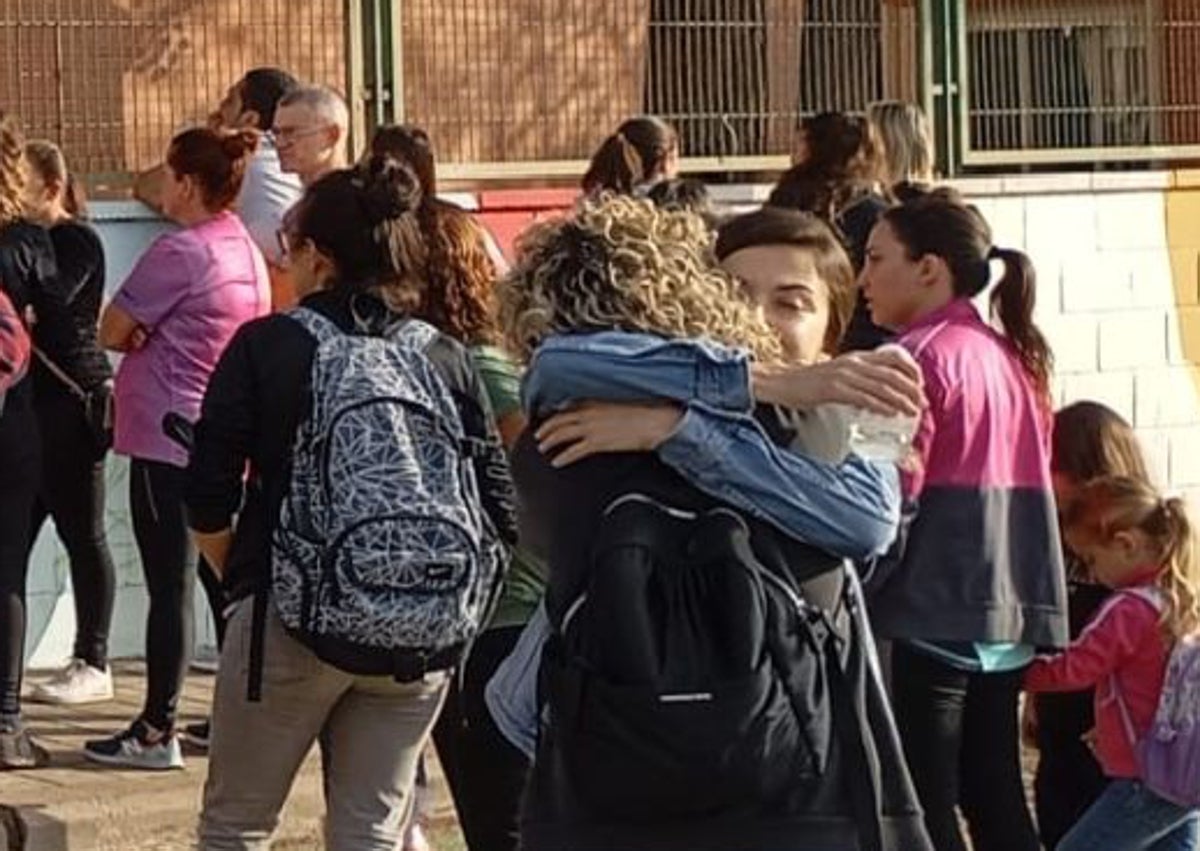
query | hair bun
[388, 188]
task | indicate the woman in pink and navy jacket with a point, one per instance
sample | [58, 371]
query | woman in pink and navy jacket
[979, 583]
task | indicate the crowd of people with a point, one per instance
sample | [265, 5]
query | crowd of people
[599, 524]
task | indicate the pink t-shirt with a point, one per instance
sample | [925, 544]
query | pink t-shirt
[190, 291]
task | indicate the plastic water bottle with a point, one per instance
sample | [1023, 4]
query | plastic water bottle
[878, 437]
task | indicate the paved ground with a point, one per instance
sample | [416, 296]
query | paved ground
[74, 804]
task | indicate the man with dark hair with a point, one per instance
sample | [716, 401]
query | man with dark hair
[267, 192]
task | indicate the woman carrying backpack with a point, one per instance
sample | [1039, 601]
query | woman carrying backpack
[979, 582]
[356, 253]
[564, 283]
[172, 317]
[1144, 547]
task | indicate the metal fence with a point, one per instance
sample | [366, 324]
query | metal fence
[530, 87]
[1079, 81]
[112, 80]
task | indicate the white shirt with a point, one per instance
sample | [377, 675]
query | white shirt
[267, 194]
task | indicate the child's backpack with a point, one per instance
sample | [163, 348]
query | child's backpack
[383, 561]
[1169, 753]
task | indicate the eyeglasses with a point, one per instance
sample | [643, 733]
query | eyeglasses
[287, 135]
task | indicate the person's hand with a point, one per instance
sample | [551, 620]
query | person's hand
[598, 427]
[138, 338]
[886, 381]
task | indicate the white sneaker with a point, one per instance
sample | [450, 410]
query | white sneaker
[77, 683]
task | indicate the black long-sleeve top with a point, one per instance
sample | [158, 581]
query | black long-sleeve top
[256, 398]
[68, 311]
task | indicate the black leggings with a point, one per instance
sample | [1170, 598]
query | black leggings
[486, 774]
[19, 462]
[168, 564]
[960, 734]
[72, 493]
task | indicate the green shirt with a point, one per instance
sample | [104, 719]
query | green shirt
[526, 580]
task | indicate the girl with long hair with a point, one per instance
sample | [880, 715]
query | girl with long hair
[1144, 547]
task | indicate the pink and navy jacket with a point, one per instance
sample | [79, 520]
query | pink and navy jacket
[981, 560]
[1121, 647]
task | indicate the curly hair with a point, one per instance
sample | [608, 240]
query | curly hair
[460, 277]
[12, 172]
[842, 165]
[621, 263]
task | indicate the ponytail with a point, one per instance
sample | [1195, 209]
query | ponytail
[1012, 302]
[636, 153]
[616, 167]
[1180, 579]
[47, 159]
[75, 198]
[1107, 506]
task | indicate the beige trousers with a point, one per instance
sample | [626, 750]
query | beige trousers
[372, 730]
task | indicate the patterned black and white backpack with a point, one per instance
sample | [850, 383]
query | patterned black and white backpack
[383, 560]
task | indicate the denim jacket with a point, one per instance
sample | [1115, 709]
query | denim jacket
[851, 509]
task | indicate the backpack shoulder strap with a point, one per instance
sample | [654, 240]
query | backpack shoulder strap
[315, 323]
[414, 333]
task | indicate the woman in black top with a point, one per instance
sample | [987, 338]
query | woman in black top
[26, 274]
[356, 255]
[72, 390]
[835, 175]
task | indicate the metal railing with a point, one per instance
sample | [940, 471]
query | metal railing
[528, 88]
[531, 88]
[1046, 81]
[112, 81]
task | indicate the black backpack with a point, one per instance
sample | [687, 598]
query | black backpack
[689, 680]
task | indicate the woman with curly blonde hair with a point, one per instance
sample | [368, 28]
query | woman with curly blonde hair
[635, 288]
[27, 272]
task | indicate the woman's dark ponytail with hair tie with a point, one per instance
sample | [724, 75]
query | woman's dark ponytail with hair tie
[1013, 301]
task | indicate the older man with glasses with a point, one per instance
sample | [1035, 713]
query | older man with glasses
[310, 131]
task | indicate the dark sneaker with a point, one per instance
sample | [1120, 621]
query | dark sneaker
[19, 750]
[141, 746]
[197, 735]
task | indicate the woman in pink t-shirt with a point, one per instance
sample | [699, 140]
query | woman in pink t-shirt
[172, 318]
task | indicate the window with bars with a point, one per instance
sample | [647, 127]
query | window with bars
[534, 81]
[1047, 80]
